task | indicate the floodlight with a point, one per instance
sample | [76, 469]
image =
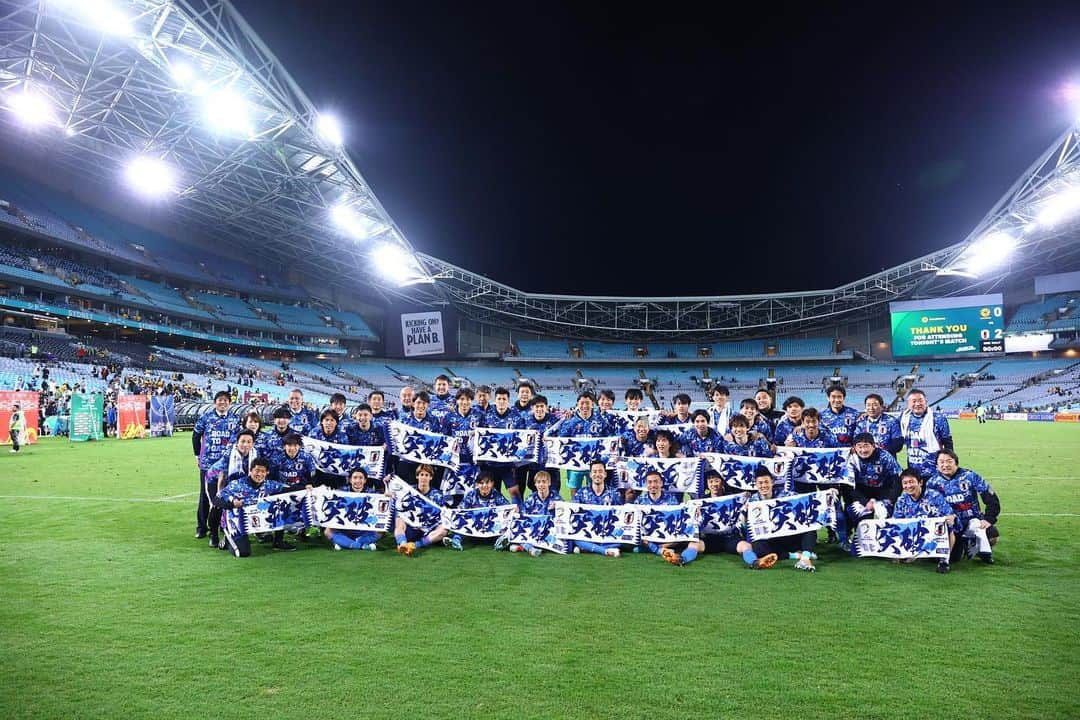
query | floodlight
[355, 224]
[182, 73]
[32, 109]
[329, 128]
[228, 112]
[102, 14]
[1059, 207]
[150, 176]
[989, 251]
[394, 262]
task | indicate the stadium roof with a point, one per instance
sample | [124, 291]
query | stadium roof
[189, 83]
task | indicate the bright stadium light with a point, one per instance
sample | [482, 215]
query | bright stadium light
[355, 224]
[32, 109]
[1059, 207]
[102, 14]
[394, 262]
[329, 128]
[183, 73]
[150, 176]
[228, 112]
[989, 251]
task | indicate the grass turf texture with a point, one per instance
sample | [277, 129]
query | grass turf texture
[114, 610]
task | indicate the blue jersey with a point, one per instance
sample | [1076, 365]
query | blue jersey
[841, 424]
[270, 441]
[303, 421]
[825, 439]
[473, 499]
[289, 471]
[879, 470]
[930, 504]
[666, 420]
[346, 424]
[693, 444]
[337, 436]
[442, 405]
[577, 426]
[461, 426]
[784, 428]
[763, 427]
[522, 412]
[247, 491]
[923, 461]
[886, 432]
[383, 419]
[961, 492]
[372, 437]
[543, 427]
[216, 432]
[665, 498]
[509, 420]
[429, 422]
[721, 419]
[754, 448]
[586, 496]
[221, 467]
[632, 447]
[536, 505]
[434, 495]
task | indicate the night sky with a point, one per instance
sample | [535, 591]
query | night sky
[586, 149]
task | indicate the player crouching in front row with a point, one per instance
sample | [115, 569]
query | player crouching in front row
[541, 502]
[760, 554]
[410, 539]
[962, 489]
[245, 491]
[483, 496]
[915, 502]
[354, 539]
[675, 553]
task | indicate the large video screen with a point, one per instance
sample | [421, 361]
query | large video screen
[948, 326]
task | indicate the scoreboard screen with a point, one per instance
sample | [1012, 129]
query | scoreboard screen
[948, 326]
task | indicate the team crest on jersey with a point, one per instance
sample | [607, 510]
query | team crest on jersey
[964, 485]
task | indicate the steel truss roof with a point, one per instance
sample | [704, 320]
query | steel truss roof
[116, 96]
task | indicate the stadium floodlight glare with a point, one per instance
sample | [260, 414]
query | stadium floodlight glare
[32, 108]
[183, 73]
[228, 112]
[150, 176]
[329, 128]
[394, 262]
[102, 14]
[989, 251]
[357, 225]
[1059, 207]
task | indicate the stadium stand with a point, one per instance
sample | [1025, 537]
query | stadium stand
[1055, 312]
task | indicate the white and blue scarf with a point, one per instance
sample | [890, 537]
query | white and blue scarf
[597, 523]
[414, 508]
[423, 447]
[791, 515]
[631, 416]
[460, 480]
[342, 510]
[535, 530]
[482, 522]
[493, 445]
[901, 539]
[827, 466]
[668, 523]
[681, 475]
[738, 470]
[720, 515]
[576, 453]
[336, 459]
[273, 512]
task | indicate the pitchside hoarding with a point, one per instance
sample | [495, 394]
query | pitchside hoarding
[968, 325]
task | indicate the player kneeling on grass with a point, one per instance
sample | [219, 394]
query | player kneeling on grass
[483, 496]
[354, 539]
[410, 539]
[763, 553]
[675, 553]
[962, 489]
[245, 491]
[915, 502]
[541, 502]
[719, 542]
[597, 493]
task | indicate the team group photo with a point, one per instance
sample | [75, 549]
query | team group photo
[539, 360]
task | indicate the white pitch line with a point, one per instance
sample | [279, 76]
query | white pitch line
[177, 497]
[92, 499]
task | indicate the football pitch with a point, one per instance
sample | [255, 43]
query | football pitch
[111, 609]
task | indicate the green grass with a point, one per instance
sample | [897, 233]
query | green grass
[117, 611]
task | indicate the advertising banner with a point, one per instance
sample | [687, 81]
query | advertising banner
[162, 415]
[423, 333]
[131, 416]
[86, 416]
[28, 405]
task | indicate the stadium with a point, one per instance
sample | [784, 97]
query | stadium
[185, 240]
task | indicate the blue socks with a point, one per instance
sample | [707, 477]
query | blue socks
[655, 549]
[749, 556]
[424, 541]
[689, 555]
[400, 539]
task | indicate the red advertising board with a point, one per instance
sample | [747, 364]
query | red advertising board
[131, 416]
[28, 403]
